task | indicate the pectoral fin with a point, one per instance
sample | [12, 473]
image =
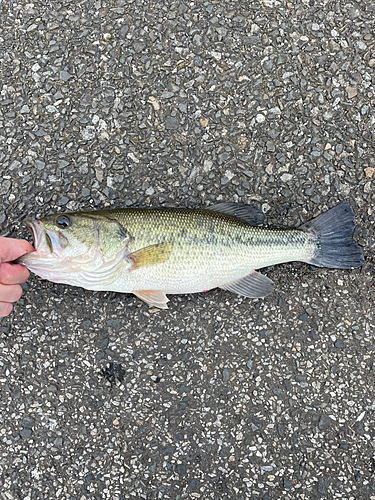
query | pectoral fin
[150, 256]
[255, 285]
[154, 298]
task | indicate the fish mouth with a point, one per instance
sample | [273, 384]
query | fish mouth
[38, 232]
[46, 240]
[30, 225]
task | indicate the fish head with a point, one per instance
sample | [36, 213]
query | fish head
[77, 246]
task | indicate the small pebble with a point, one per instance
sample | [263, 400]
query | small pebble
[181, 469]
[65, 76]
[226, 375]
[171, 123]
[322, 485]
[26, 433]
[287, 483]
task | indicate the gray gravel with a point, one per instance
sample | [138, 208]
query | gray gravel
[132, 103]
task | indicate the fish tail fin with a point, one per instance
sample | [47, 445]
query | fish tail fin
[332, 234]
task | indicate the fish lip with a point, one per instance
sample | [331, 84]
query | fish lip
[36, 229]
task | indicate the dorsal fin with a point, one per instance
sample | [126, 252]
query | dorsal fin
[247, 213]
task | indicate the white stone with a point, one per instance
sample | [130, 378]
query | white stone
[133, 157]
[88, 133]
[216, 55]
[207, 165]
[286, 177]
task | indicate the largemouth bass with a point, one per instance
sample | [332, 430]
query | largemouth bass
[153, 252]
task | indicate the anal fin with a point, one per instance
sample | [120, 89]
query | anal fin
[254, 285]
[154, 298]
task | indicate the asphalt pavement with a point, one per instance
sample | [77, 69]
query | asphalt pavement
[139, 103]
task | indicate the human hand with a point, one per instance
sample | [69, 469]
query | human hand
[11, 274]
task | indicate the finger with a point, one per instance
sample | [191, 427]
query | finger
[10, 293]
[11, 274]
[5, 309]
[11, 248]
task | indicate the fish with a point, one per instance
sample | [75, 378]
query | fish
[155, 252]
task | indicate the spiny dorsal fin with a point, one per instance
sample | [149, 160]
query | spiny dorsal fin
[247, 213]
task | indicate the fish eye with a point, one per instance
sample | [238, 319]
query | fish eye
[63, 221]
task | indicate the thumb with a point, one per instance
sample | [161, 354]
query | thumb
[12, 248]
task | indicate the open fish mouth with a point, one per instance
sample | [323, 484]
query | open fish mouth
[47, 260]
[36, 230]
[40, 235]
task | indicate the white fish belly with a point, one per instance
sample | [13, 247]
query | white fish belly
[175, 281]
